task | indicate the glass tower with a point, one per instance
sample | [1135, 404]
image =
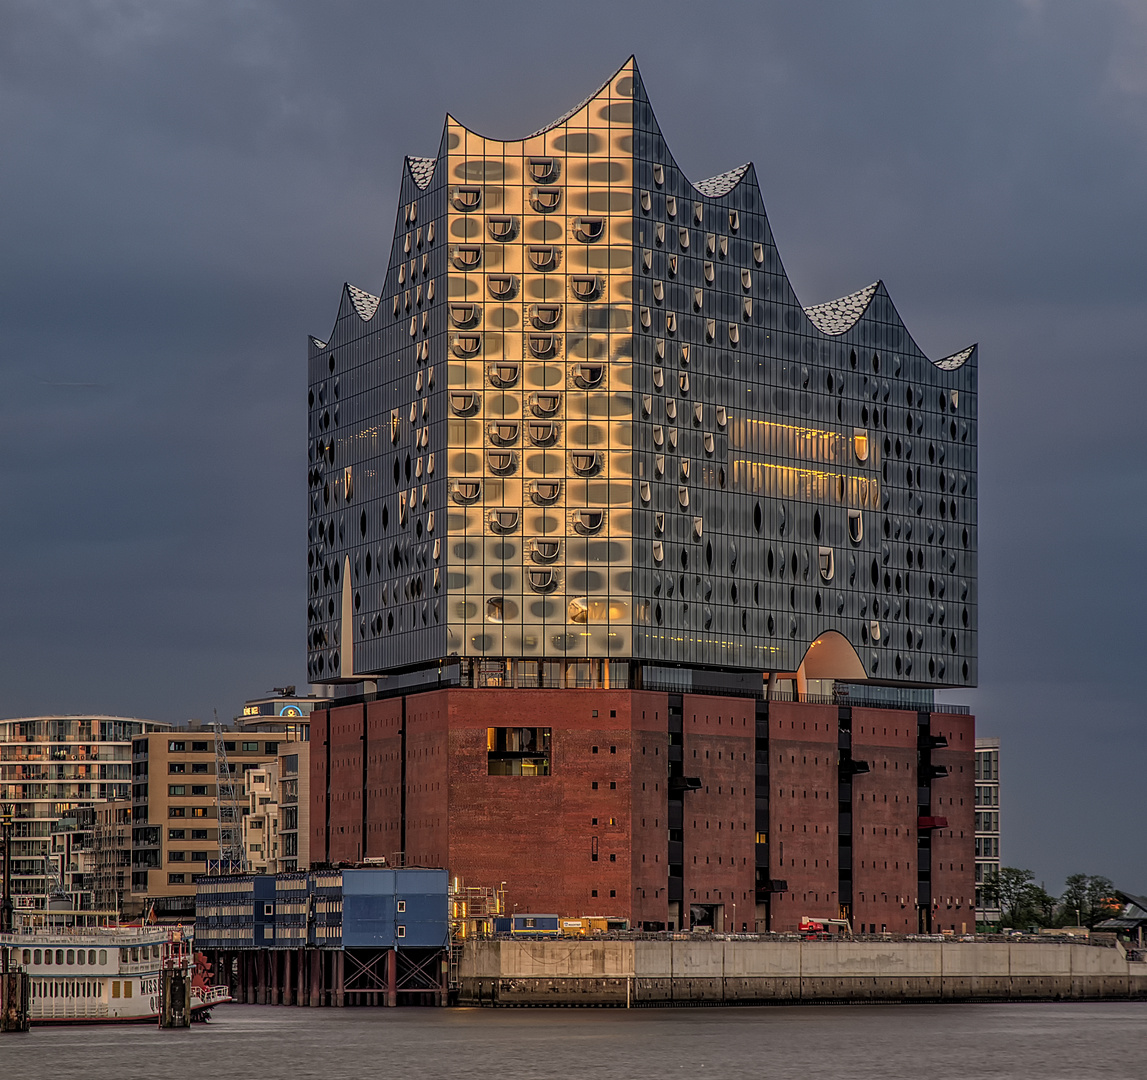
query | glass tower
[587, 435]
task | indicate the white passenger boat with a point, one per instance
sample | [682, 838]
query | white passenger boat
[106, 975]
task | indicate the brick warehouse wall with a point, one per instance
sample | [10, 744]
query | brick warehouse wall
[884, 809]
[539, 834]
[803, 811]
[953, 847]
[719, 738]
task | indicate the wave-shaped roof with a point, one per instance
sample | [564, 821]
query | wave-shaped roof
[365, 304]
[722, 183]
[841, 315]
[834, 318]
[956, 360]
[422, 169]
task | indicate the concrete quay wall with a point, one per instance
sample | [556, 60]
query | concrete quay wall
[649, 973]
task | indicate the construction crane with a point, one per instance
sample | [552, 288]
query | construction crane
[232, 853]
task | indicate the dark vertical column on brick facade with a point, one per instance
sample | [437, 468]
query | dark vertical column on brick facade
[326, 743]
[676, 808]
[844, 820]
[402, 782]
[365, 788]
[924, 747]
[763, 878]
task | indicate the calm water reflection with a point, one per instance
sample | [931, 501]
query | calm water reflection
[918, 1042]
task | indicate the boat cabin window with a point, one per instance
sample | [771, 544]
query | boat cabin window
[103, 956]
[59, 956]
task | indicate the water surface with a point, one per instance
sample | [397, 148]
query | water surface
[1039, 1041]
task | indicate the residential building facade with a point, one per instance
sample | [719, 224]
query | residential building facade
[987, 776]
[175, 810]
[53, 771]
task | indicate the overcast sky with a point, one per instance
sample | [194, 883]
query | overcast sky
[184, 188]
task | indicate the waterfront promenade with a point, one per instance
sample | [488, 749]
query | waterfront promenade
[636, 973]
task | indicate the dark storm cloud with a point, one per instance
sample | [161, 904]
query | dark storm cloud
[185, 187]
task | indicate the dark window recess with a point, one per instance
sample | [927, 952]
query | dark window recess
[518, 751]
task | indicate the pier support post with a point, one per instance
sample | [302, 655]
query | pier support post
[391, 978]
[340, 988]
[316, 976]
[301, 977]
[273, 958]
[261, 958]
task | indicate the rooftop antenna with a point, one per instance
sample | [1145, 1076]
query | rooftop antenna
[232, 854]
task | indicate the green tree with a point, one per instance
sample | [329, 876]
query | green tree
[1010, 888]
[1088, 897]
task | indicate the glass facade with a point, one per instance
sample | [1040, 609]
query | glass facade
[588, 421]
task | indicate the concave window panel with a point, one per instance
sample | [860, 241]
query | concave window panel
[543, 257]
[746, 278]
[502, 227]
[466, 256]
[585, 462]
[542, 432]
[826, 562]
[544, 170]
[504, 521]
[517, 751]
[588, 375]
[589, 229]
[587, 522]
[545, 551]
[544, 346]
[646, 201]
[466, 198]
[504, 432]
[658, 551]
[545, 199]
[466, 345]
[860, 444]
[659, 175]
[587, 609]
[542, 580]
[855, 526]
[463, 402]
[545, 403]
[502, 286]
[545, 492]
[546, 316]
[465, 316]
[585, 286]
[504, 375]
[502, 462]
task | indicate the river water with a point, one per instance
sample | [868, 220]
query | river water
[918, 1042]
